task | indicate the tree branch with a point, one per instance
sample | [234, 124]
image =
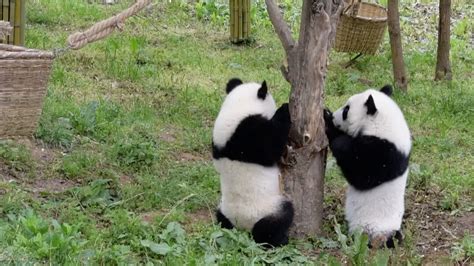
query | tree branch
[281, 27]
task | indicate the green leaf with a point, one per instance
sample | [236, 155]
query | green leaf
[160, 249]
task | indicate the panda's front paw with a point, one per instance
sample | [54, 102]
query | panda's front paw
[283, 114]
[327, 116]
[331, 130]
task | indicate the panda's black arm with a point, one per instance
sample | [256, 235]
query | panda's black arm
[346, 150]
[280, 128]
[256, 139]
[368, 161]
[341, 147]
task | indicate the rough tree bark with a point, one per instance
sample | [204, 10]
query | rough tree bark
[303, 172]
[399, 72]
[443, 66]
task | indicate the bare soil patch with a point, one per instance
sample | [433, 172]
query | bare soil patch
[189, 157]
[434, 231]
[52, 185]
[42, 181]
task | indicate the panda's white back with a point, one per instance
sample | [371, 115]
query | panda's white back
[249, 190]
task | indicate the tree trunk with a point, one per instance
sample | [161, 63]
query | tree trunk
[443, 66]
[399, 73]
[303, 171]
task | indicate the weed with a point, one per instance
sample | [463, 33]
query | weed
[79, 164]
[44, 239]
[17, 158]
[463, 251]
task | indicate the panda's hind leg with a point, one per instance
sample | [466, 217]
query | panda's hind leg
[395, 237]
[386, 240]
[222, 220]
[273, 229]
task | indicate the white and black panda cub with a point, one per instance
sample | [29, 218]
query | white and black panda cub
[371, 142]
[249, 137]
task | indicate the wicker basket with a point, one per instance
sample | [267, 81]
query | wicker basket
[361, 28]
[24, 75]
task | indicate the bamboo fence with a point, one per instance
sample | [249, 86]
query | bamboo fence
[13, 11]
[239, 20]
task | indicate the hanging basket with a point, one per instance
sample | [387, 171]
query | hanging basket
[361, 28]
[24, 75]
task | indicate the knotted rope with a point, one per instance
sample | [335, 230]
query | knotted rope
[105, 27]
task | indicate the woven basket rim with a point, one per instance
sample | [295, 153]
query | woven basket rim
[8, 51]
[371, 19]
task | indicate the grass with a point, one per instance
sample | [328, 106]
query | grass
[120, 169]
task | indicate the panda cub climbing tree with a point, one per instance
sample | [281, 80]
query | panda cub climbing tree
[371, 142]
[249, 137]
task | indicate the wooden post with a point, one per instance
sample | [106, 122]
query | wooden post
[443, 65]
[303, 170]
[399, 73]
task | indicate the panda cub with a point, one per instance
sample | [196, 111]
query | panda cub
[249, 137]
[371, 142]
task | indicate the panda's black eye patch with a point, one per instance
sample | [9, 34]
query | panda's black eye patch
[344, 112]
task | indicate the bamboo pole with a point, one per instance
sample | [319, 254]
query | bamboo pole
[19, 26]
[232, 24]
[234, 19]
[4, 15]
[244, 19]
[240, 20]
[249, 3]
[13, 21]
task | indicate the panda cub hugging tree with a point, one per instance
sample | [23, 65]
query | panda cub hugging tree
[249, 137]
[371, 142]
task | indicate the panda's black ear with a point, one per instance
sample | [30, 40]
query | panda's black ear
[371, 109]
[232, 83]
[387, 89]
[262, 92]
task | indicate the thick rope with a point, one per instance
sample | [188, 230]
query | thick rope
[105, 27]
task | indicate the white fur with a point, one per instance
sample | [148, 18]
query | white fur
[387, 123]
[249, 191]
[378, 211]
[240, 103]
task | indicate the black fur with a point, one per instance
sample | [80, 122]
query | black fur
[387, 89]
[390, 243]
[257, 139]
[273, 229]
[223, 221]
[262, 92]
[371, 109]
[366, 161]
[397, 237]
[232, 83]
